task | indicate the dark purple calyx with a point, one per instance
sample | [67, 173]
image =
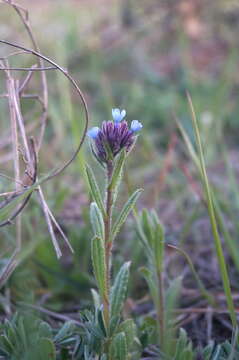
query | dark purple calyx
[111, 139]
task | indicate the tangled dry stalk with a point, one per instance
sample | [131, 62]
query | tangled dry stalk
[25, 148]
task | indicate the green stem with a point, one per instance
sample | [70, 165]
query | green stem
[205, 293]
[108, 243]
[161, 317]
[218, 246]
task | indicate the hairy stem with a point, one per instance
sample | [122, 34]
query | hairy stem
[160, 310]
[108, 243]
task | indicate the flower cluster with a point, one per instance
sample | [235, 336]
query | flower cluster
[113, 136]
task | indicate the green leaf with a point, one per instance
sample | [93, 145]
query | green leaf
[95, 191]
[114, 322]
[149, 278]
[182, 346]
[208, 351]
[143, 239]
[97, 221]
[6, 345]
[125, 212]
[172, 295]
[119, 290]
[151, 234]
[101, 323]
[117, 170]
[159, 245]
[44, 350]
[129, 328]
[98, 260]
[96, 298]
[45, 330]
[65, 331]
[119, 347]
[147, 227]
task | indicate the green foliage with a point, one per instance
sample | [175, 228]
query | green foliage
[224, 351]
[95, 191]
[184, 349]
[97, 221]
[98, 261]
[26, 337]
[120, 338]
[151, 230]
[93, 335]
[119, 290]
[125, 212]
[117, 172]
[118, 347]
[128, 327]
[150, 279]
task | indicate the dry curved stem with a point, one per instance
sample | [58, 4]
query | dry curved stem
[73, 82]
[66, 164]
[24, 17]
[204, 292]
[29, 68]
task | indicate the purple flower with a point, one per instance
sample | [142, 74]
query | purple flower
[112, 137]
[118, 115]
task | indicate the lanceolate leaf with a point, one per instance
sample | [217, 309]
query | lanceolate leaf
[184, 347]
[143, 239]
[95, 191]
[114, 321]
[44, 349]
[125, 212]
[96, 298]
[119, 290]
[159, 245]
[97, 221]
[65, 331]
[129, 328]
[119, 347]
[98, 260]
[117, 170]
[149, 278]
[147, 226]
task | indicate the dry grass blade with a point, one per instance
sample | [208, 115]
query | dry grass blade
[49, 223]
[53, 220]
[24, 17]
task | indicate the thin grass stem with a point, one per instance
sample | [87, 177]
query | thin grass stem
[212, 216]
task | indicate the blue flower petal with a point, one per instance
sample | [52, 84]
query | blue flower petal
[93, 132]
[118, 115]
[136, 126]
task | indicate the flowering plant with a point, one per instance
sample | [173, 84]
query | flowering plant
[110, 145]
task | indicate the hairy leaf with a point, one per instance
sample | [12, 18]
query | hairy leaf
[95, 191]
[125, 212]
[98, 260]
[119, 290]
[97, 221]
[119, 347]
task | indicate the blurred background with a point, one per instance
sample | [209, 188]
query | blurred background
[142, 56]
